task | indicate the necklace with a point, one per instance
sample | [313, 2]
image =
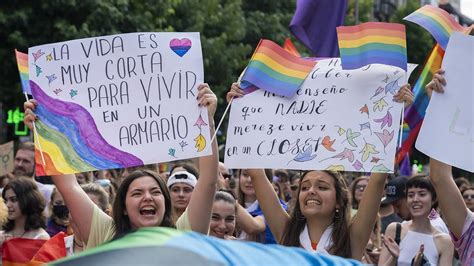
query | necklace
[19, 236]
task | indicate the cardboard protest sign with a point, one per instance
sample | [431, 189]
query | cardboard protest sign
[118, 101]
[338, 120]
[6, 158]
[447, 133]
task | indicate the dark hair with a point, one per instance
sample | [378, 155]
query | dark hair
[461, 181]
[31, 201]
[190, 168]
[28, 146]
[97, 190]
[122, 221]
[226, 196]
[355, 204]
[282, 174]
[340, 233]
[421, 182]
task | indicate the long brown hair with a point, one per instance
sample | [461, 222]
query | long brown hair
[121, 220]
[340, 234]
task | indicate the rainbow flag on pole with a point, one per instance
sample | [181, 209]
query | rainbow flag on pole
[414, 114]
[437, 21]
[274, 69]
[22, 62]
[372, 42]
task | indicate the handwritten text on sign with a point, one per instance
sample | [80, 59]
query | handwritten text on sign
[339, 120]
[118, 101]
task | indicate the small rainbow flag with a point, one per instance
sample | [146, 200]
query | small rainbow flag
[22, 62]
[290, 47]
[413, 117]
[372, 42]
[273, 69]
[437, 21]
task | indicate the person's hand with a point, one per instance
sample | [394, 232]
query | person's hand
[391, 246]
[207, 98]
[405, 95]
[30, 116]
[418, 259]
[437, 83]
[372, 256]
[228, 237]
[235, 92]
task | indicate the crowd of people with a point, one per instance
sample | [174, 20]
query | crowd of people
[377, 219]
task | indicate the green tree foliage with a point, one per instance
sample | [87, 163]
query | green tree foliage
[230, 30]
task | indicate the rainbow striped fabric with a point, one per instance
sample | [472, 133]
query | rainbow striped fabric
[166, 246]
[372, 42]
[437, 21]
[82, 148]
[414, 114]
[273, 69]
[22, 62]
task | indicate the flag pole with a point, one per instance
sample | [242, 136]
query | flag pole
[36, 135]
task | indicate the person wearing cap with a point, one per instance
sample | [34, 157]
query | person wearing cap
[181, 185]
[395, 196]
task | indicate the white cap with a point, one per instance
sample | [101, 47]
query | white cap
[182, 177]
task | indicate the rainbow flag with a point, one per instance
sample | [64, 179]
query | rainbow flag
[414, 114]
[372, 42]
[166, 246]
[273, 69]
[290, 47]
[437, 21]
[22, 62]
[25, 251]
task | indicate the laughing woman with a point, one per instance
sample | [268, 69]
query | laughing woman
[142, 200]
[417, 236]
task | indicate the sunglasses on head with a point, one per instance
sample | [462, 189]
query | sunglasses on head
[181, 176]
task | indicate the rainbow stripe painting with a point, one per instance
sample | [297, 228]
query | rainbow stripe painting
[437, 21]
[372, 42]
[70, 140]
[22, 62]
[275, 70]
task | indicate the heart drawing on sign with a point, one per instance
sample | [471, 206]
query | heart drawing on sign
[180, 47]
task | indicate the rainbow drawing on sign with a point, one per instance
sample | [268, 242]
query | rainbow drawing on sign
[70, 140]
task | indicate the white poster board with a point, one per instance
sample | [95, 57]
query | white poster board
[118, 101]
[339, 120]
[447, 133]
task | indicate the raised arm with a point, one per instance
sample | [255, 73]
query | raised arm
[449, 197]
[201, 202]
[364, 221]
[251, 225]
[79, 204]
[276, 217]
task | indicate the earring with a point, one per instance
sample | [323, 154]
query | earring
[337, 215]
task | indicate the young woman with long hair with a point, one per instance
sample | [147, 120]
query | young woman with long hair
[142, 199]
